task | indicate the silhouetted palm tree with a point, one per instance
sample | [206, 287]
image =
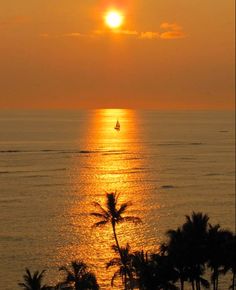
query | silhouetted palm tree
[187, 248]
[80, 277]
[143, 275]
[154, 271]
[217, 256]
[124, 265]
[165, 273]
[195, 232]
[32, 281]
[113, 214]
[176, 249]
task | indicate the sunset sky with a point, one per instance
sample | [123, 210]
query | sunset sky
[168, 54]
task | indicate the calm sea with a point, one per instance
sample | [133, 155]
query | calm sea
[55, 164]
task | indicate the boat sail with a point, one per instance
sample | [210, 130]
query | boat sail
[117, 127]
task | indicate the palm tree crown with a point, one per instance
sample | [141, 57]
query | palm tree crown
[32, 281]
[80, 277]
[113, 214]
[124, 266]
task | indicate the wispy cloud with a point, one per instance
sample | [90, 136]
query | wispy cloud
[172, 35]
[149, 35]
[128, 32]
[172, 31]
[73, 34]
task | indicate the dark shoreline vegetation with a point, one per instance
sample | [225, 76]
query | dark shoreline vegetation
[189, 252]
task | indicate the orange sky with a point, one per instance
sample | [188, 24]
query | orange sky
[168, 54]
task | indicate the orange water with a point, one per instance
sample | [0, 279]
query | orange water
[54, 164]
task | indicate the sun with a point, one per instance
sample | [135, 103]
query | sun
[114, 19]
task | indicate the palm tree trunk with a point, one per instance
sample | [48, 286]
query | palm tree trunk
[117, 243]
[217, 281]
[214, 283]
[215, 278]
[121, 256]
[193, 286]
[198, 285]
[182, 284]
[118, 247]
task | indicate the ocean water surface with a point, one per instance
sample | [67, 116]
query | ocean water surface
[55, 164]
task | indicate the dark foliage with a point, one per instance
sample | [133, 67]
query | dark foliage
[33, 281]
[182, 259]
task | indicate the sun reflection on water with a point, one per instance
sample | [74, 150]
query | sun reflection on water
[111, 162]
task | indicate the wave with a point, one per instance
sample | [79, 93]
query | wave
[213, 174]
[7, 201]
[223, 131]
[181, 144]
[186, 158]
[9, 238]
[115, 153]
[61, 151]
[51, 184]
[133, 158]
[196, 143]
[230, 173]
[36, 176]
[87, 151]
[12, 151]
[167, 186]
[31, 171]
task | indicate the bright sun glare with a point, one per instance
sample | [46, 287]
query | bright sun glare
[114, 19]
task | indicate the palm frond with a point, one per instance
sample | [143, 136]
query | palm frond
[28, 272]
[78, 275]
[123, 208]
[99, 215]
[98, 205]
[114, 262]
[65, 269]
[116, 196]
[115, 248]
[214, 228]
[114, 277]
[99, 224]
[32, 281]
[39, 276]
[23, 285]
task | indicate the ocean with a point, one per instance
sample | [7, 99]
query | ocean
[55, 164]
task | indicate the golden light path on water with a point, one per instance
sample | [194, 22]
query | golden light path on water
[111, 162]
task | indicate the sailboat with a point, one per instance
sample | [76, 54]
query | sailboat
[117, 127]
